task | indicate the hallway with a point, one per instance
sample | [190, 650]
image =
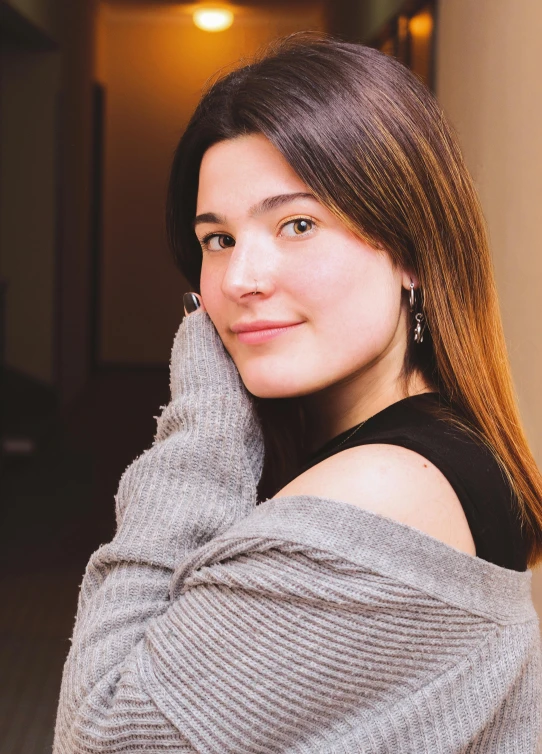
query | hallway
[94, 96]
[57, 508]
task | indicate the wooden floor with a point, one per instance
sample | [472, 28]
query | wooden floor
[57, 507]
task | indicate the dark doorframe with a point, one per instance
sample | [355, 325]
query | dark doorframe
[96, 221]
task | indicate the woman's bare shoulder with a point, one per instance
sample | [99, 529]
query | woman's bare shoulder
[395, 482]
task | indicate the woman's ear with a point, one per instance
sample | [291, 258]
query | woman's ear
[409, 276]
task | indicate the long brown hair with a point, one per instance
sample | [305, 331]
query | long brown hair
[371, 142]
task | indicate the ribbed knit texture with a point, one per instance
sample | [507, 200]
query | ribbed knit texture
[302, 625]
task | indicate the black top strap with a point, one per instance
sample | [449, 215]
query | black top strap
[468, 465]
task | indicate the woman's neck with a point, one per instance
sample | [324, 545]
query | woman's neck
[330, 412]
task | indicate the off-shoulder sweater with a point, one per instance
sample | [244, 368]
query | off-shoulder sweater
[300, 625]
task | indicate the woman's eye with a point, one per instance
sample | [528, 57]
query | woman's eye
[217, 241]
[297, 227]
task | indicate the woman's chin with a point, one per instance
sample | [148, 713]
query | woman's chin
[271, 392]
[266, 388]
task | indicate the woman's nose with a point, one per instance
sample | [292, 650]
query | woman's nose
[245, 277]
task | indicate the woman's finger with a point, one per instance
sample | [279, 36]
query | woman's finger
[192, 302]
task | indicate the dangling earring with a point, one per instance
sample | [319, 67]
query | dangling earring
[419, 316]
[420, 327]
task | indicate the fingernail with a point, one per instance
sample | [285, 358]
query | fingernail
[191, 302]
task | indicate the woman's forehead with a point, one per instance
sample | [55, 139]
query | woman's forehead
[245, 171]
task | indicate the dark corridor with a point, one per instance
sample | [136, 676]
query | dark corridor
[57, 508]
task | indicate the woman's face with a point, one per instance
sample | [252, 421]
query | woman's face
[257, 228]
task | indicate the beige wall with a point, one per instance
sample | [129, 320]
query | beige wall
[489, 83]
[154, 63]
[489, 60]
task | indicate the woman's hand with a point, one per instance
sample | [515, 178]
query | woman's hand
[203, 376]
[192, 302]
[198, 357]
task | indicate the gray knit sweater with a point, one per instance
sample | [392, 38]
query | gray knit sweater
[302, 625]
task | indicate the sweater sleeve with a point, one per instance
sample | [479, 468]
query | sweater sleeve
[272, 644]
[198, 477]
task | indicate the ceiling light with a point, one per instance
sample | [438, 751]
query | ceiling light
[213, 19]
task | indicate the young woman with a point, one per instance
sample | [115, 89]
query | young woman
[328, 546]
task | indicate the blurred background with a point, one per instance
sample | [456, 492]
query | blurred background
[93, 99]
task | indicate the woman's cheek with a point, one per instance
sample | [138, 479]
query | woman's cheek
[211, 296]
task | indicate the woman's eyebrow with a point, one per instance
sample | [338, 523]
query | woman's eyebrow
[265, 205]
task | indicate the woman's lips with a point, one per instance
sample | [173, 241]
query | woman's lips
[260, 336]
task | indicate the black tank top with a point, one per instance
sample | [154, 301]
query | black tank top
[466, 463]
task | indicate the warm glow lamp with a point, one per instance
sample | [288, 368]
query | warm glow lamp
[421, 25]
[213, 19]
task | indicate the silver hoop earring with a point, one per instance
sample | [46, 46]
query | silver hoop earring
[419, 316]
[412, 299]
